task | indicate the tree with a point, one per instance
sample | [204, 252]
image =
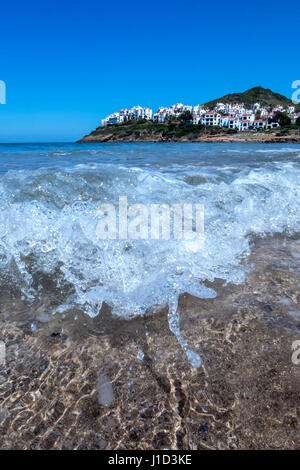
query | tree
[186, 116]
[172, 118]
[283, 119]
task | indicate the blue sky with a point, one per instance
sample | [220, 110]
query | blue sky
[67, 64]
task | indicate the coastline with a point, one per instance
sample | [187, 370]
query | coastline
[267, 139]
[77, 377]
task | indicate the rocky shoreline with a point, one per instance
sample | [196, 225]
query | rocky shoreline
[262, 138]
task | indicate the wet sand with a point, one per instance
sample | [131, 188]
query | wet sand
[72, 382]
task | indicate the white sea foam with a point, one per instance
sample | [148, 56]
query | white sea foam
[48, 221]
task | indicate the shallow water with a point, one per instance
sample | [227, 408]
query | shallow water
[81, 382]
[50, 194]
[86, 366]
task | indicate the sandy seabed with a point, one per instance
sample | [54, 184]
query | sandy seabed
[108, 383]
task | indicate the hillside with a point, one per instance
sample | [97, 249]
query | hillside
[149, 131]
[265, 96]
[179, 131]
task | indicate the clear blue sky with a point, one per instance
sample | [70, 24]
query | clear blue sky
[67, 64]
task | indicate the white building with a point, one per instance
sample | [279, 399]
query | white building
[233, 122]
[244, 124]
[247, 116]
[160, 116]
[259, 124]
[272, 125]
[220, 107]
[255, 107]
[198, 110]
[237, 115]
[196, 119]
[211, 118]
[137, 112]
[267, 116]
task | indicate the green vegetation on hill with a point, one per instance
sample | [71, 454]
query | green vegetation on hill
[264, 96]
[178, 130]
[181, 129]
[143, 129]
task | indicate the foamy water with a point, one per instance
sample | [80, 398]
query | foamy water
[50, 195]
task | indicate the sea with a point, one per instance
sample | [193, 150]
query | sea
[50, 195]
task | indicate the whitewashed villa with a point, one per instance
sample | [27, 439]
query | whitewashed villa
[232, 116]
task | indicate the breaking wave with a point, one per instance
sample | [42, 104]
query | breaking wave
[48, 221]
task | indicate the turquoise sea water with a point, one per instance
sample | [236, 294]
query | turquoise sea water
[50, 195]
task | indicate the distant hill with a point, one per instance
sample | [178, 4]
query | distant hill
[149, 131]
[265, 96]
[178, 131]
